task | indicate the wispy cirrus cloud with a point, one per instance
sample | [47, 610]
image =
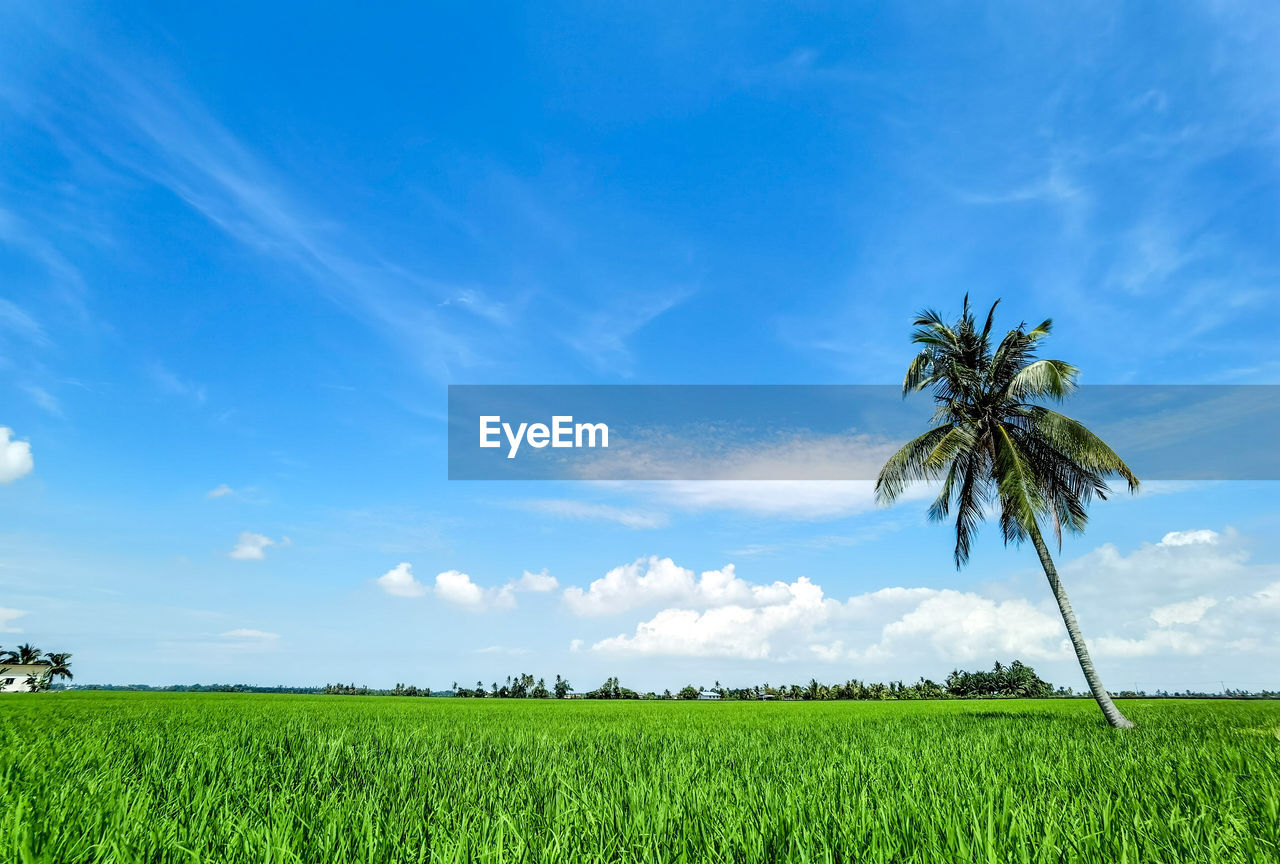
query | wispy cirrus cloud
[8, 617]
[590, 511]
[251, 546]
[135, 120]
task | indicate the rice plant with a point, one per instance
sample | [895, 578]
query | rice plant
[131, 777]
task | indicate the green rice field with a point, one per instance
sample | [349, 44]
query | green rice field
[167, 777]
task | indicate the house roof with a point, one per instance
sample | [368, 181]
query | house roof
[9, 670]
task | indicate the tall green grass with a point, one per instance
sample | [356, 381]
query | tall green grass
[119, 777]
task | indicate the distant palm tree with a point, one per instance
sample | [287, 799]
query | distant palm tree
[992, 445]
[26, 655]
[59, 666]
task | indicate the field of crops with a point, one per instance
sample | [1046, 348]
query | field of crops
[132, 777]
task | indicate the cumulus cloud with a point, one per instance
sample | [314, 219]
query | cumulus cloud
[1191, 593]
[653, 581]
[1182, 565]
[15, 457]
[1186, 612]
[966, 626]
[1194, 592]
[220, 491]
[1188, 538]
[399, 581]
[539, 582]
[1154, 642]
[792, 619]
[253, 547]
[7, 617]
[458, 588]
[727, 631]
[454, 586]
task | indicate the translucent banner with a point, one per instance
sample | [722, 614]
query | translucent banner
[819, 432]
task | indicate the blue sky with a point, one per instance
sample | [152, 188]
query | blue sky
[243, 252]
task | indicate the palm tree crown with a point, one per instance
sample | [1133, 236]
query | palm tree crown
[59, 665]
[990, 442]
[27, 654]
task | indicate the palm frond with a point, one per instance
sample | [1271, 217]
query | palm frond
[1019, 487]
[1074, 440]
[909, 465]
[1041, 379]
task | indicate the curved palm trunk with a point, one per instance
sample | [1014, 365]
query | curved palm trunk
[1109, 709]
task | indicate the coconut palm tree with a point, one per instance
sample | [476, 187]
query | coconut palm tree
[992, 445]
[59, 665]
[26, 655]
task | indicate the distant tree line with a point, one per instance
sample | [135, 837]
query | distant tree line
[353, 690]
[203, 688]
[1015, 680]
[520, 686]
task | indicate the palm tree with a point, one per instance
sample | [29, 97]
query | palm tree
[27, 654]
[991, 444]
[59, 666]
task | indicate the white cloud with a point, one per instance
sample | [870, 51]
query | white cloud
[1198, 588]
[245, 633]
[890, 622]
[1184, 564]
[653, 581]
[537, 582]
[1192, 594]
[1186, 612]
[967, 626]
[565, 508]
[1188, 538]
[220, 491]
[1155, 642]
[790, 499]
[253, 547]
[399, 581]
[726, 631]
[7, 617]
[454, 586]
[804, 476]
[15, 457]
[244, 639]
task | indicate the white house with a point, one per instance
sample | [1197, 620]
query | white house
[709, 694]
[13, 676]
